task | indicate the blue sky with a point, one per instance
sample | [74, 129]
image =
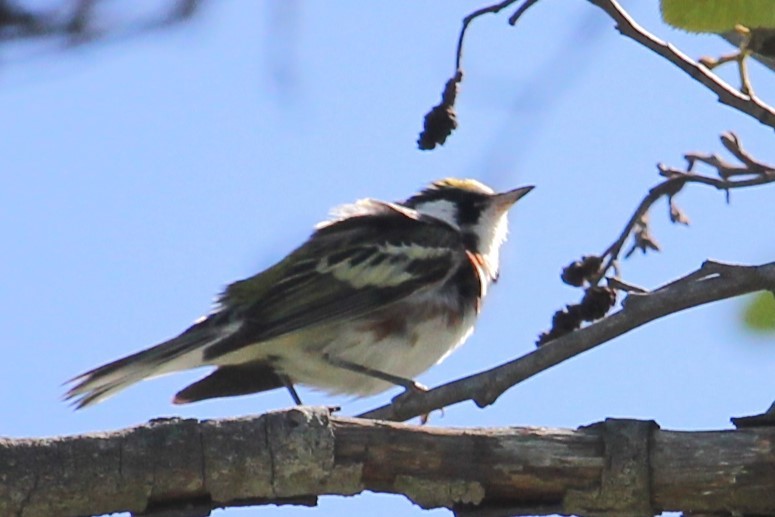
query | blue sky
[143, 175]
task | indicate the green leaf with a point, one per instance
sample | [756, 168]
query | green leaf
[759, 315]
[718, 16]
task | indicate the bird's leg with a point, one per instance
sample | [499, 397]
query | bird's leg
[407, 384]
[289, 386]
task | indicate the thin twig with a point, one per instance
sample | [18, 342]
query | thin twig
[676, 179]
[521, 10]
[627, 287]
[666, 188]
[726, 93]
[732, 144]
[712, 282]
[495, 8]
[441, 120]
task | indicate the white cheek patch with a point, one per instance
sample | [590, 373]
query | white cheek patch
[442, 209]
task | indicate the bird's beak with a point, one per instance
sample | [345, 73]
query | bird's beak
[505, 200]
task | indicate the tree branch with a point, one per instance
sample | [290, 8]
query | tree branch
[495, 8]
[756, 172]
[726, 93]
[591, 269]
[490, 9]
[712, 282]
[189, 467]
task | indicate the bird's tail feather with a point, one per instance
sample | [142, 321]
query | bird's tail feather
[180, 353]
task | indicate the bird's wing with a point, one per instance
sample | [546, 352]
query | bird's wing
[347, 269]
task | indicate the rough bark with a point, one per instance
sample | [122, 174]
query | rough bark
[187, 467]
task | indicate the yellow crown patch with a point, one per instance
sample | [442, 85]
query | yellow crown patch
[462, 184]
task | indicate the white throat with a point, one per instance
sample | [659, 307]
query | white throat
[492, 230]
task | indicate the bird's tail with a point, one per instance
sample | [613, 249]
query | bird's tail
[180, 353]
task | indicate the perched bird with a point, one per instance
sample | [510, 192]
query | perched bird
[377, 295]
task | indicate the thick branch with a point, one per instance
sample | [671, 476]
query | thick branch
[726, 93]
[188, 467]
[712, 282]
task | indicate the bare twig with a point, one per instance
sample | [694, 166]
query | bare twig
[726, 93]
[492, 9]
[712, 282]
[621, 285]
[521, 10]
[760, 44]
[495, 8]
[732, 144]
[758, 173]
[740, 57]
[441, 120]
[589, 271]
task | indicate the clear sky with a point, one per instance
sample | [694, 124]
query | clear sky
[141, 176]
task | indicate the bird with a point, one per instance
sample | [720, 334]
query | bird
[380, 292]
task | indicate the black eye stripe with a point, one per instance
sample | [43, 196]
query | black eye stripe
[469, 211]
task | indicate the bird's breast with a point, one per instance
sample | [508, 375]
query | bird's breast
[404, 340]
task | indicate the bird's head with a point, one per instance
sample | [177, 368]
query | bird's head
[474, 209]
